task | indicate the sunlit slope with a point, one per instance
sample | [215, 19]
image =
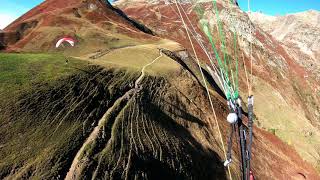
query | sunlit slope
[50, 113]
[290, 83]
[128, 105]
[94, 24]
[161, 128]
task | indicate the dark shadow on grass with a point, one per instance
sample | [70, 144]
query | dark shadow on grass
[196, 161]
[177, 111]
[213, 83]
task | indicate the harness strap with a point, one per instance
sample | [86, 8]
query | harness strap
[250, 126]
[243, 144]
[232, 119]
[245, 139]
[229, 152]
[243, 150]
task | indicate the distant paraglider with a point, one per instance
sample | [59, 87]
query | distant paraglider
[65, 39]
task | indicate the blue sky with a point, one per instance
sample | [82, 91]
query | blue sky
[280, 7]
[12, 9]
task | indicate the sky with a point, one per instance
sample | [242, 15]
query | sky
[12, 9]
[280, 7]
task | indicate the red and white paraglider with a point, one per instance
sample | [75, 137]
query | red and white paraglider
[65, 39]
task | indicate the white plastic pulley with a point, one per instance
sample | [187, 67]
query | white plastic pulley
[227, 162]
[232, 118]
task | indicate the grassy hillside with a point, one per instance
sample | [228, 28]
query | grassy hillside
[135, 57]
[164, 128]
[21, 71]
[48, 108]
[51, 107]
[287, 122]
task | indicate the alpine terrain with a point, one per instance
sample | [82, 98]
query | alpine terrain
[146, 89]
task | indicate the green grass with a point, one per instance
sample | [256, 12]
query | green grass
[35, 139]
[288, 121]
[21, 71]
[134, 58]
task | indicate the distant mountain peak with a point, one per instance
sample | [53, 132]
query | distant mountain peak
[299, 32]
[258, 16]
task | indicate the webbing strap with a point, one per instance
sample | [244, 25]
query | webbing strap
[229, 151]
[243, 144]
[250, 126]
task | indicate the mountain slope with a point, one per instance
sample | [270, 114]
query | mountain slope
[55, 116]
[122, 104]
[85, 21]
[287, 103]
[299, 33]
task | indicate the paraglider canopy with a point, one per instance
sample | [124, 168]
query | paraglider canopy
[69, 40]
